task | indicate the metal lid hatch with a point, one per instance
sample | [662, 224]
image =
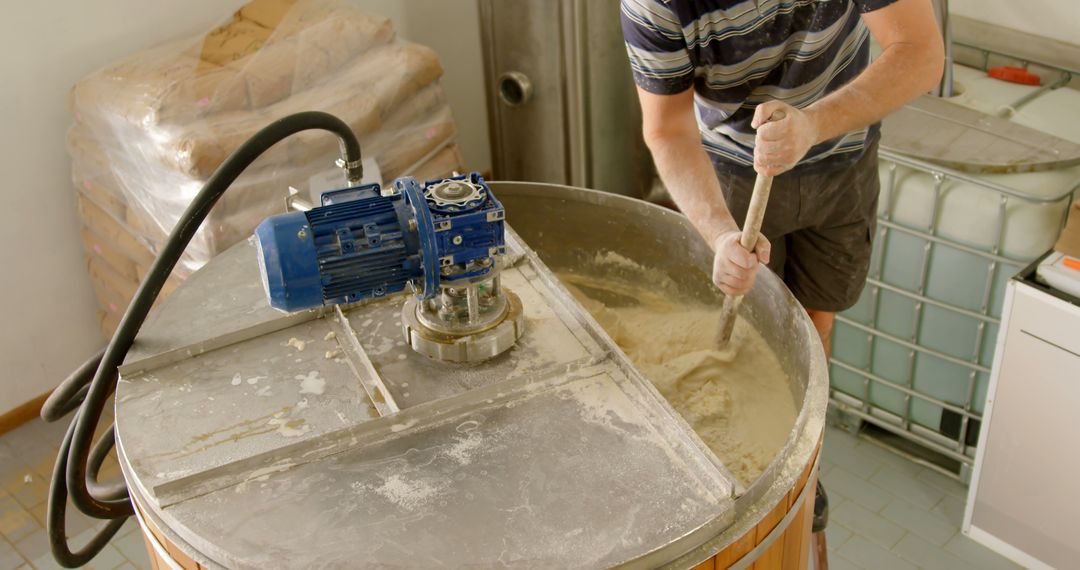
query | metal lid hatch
[322, 439]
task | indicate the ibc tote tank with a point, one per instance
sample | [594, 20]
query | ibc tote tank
[916, 350]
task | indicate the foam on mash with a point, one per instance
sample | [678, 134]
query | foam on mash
[737, 400]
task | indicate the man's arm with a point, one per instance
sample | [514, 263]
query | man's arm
[910, 64]
[671, 131]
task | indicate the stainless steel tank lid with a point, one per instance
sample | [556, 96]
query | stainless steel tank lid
[569, 226]
[322, 440]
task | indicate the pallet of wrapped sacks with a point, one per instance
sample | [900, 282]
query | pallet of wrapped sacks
[116, 262]
[150, 129]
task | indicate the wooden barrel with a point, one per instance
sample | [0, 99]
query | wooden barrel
[782, 538]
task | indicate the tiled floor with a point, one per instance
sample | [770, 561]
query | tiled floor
[888, 512]
[26, 461]
[885, 511]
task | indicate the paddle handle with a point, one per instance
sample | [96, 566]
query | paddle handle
[755, 213]
[750, 231]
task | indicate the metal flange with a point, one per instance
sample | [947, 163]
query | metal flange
[472, 347]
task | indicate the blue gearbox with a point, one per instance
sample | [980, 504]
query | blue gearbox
[367, 242]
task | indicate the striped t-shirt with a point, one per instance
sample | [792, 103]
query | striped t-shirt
[737, 54]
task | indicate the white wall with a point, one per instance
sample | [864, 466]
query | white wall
[46, 303]
[451, 28]
[1055, 19]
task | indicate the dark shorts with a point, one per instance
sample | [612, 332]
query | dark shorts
[820, 226]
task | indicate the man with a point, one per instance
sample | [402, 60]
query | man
[711, 74]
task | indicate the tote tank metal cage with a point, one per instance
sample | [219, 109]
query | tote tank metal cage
[913, 356]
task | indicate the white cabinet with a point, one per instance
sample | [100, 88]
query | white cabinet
[1024, 499]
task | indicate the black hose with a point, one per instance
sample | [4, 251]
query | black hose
[71, 392]
[56, 517]
[77, 466]
[114, 491]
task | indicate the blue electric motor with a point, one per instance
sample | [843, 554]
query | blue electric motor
[366, 242]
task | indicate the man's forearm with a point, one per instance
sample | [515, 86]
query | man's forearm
[904, 71]
[911, 62]
[688, 175]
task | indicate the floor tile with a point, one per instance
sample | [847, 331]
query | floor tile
[9, 557]
[39, 512]
[919, 521]
[107, 559]
[927, 555]
[30, 452]
[34, 545]
[907, 487]
[110, 471]
[22, 437]
[867, 524]
[46, 562]
[49, 432]
[129, 527]
[142, 562]
[870, 555]
[850, 459]
[31, 490]
[837, 562]
[9, 460]
[15, 522]
[873, 451]
[951, 510]
[824, 468]
[843, 483]
[951, 486]
[978, 555]
[133, 547]
[13, 476]
[838, 437]
[77, 522]
[836, 499]
[836, 535]
[44, 467]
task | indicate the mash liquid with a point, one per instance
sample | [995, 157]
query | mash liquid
[737, 400]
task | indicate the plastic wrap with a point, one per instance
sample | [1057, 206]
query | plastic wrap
[151, 128]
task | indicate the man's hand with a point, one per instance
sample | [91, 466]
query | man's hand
[910, 64]
[673, 137]
[734, 268]
[780, 144]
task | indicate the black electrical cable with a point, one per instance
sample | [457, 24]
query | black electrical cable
[77, 465]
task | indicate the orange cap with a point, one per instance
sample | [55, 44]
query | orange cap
[1014, 74]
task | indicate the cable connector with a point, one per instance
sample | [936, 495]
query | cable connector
[354, 170]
